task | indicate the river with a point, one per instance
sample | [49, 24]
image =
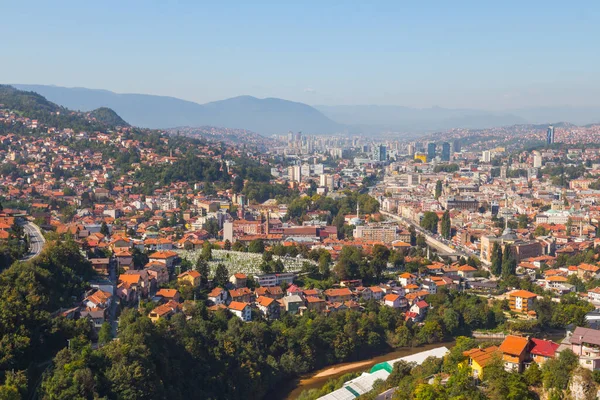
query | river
[317, 379]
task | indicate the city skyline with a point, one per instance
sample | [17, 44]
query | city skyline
[468, 56]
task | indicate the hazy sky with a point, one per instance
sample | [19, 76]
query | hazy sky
[481, 54]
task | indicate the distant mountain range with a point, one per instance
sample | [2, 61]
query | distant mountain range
[272, 115]
[265, 116]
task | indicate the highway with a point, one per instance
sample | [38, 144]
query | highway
[36, 240]
[437, 244]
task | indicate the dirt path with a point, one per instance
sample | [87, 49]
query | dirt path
[342, 368]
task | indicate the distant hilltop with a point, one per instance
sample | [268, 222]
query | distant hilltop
[35, 106]
[277, 116]
[264, 116]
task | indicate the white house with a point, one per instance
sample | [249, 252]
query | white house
[594, 294]
[430, 286]
[406, 279]
[241, 310]
[218, 296]
[420, 307]
[394, 301]
[377, 293]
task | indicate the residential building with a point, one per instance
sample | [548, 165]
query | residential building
[314, 303]
[585, 343]
[292, 303]
[101, 265]
[239, 280]
[241, 310]
[521, 301]
[218, 296]
[164, 311]
[338, 295]
[407, 278]
[478, 359]
[394, 301]
[241, 295]
[269, 307]
[191, 277]
[383, 233]
[275, 279]
[543, 350]
[514, 352]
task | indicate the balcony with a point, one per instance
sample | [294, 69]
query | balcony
[591, 351]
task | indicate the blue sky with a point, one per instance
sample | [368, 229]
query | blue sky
[477, 54]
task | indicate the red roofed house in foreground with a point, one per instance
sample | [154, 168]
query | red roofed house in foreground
[514, 352]
[543, 350]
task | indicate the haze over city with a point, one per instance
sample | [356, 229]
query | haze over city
[469, 54]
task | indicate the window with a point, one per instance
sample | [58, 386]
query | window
[518, 303]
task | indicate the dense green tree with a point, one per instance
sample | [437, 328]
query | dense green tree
[380, 255]
[533, 375]
[496, 267]
[349, 260]
[104, 229]
[140, 258]
[541, 231]
[430, 221]
[557, 371]
[256, 246]
[15, 386]
[212, 227]
[523, 221]
[105, 333]
[413, 235]
[227, 245]
[509, 262]
[438, 189]
[29, 293]
[238, 246]
[446, 230]
[221, 275]
[206, 251]
[238, 184]
[202, 267]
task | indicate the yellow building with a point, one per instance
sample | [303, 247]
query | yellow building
[478, 359]
[192, 277]
[421, 156]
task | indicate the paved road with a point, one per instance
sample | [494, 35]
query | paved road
[442, 247]
[36, 240]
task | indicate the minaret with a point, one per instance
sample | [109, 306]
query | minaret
[357, 210]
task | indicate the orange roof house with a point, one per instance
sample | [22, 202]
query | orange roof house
[478, 359]
[192, 277]
[514, 352]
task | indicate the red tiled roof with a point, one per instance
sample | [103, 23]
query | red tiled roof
[545, 348]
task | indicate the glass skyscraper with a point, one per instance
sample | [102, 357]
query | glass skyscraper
[445, 151]
[550, 135]
[430, 151]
